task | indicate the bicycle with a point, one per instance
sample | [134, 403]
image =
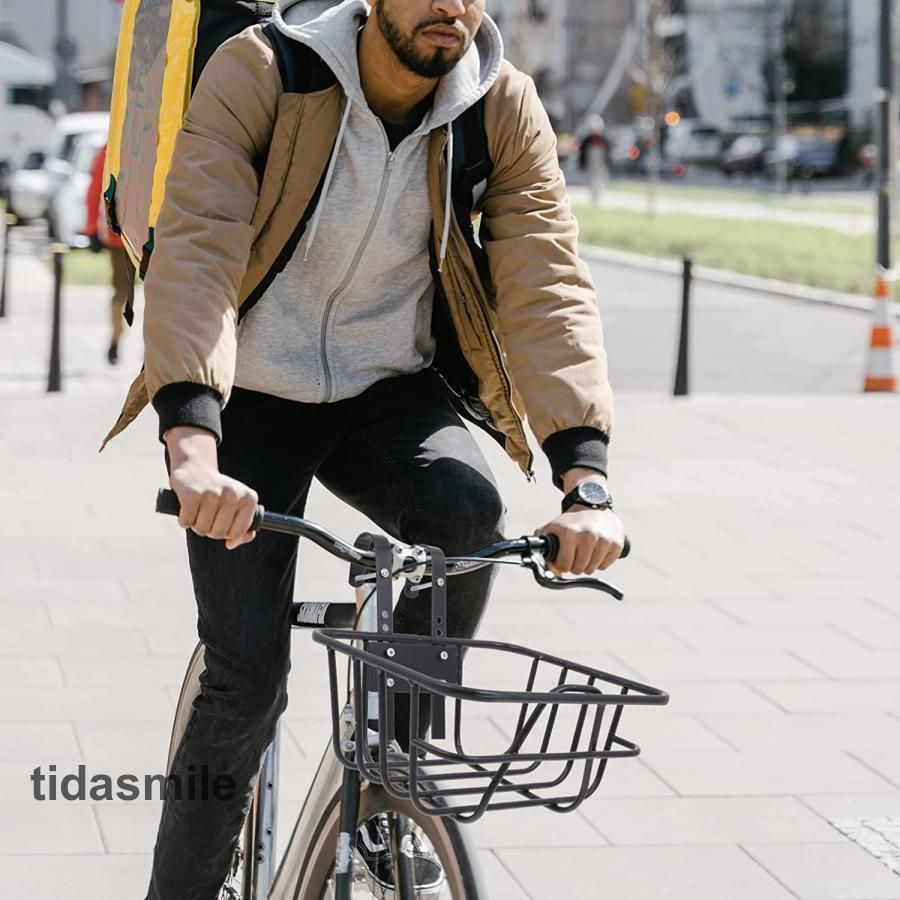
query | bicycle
[415, 802]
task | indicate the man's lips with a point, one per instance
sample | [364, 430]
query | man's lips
[445, 35]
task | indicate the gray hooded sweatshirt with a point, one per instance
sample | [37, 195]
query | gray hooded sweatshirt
[354, 304]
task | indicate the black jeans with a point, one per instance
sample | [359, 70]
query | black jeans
[399, 454]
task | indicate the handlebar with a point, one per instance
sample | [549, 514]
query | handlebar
[546, 546]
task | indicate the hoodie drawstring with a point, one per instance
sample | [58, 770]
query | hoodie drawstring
[329, 177]
[448, 201]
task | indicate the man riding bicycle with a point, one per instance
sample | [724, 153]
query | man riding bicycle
[345, 347]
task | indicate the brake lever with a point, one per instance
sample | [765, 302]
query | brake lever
[546, 579]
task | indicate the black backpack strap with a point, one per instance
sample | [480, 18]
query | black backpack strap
[472, 163]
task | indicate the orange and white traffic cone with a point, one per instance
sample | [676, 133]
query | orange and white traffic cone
[881, 371]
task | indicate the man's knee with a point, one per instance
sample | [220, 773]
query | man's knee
[461, 511]
[246, 693]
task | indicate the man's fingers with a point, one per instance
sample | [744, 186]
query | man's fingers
[240, 533]
[223, 523]
[209, 507]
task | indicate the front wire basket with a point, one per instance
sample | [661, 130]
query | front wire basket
[555, 737]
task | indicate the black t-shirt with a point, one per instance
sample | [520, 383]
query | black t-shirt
[397, 133]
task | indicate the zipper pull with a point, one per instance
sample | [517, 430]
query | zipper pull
[391, 156]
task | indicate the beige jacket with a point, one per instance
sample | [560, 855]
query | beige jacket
[533, 337]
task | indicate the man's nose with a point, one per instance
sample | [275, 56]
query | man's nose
[450, 8]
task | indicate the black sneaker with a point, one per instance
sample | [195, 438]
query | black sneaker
[373, 852]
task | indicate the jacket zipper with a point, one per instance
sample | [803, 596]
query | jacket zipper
[329, 306]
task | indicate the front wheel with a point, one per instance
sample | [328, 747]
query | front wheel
[427, 845]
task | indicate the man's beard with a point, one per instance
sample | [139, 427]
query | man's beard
[435, 65]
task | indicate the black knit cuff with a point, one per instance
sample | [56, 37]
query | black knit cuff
[576, 448]
[186, 403]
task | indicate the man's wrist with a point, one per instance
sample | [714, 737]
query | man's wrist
[573, 477]
[190, 443]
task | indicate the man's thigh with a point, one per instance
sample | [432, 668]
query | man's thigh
[410, 464]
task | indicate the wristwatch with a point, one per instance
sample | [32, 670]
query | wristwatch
[589, 494]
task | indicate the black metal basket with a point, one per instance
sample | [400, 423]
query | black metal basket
[555, 743]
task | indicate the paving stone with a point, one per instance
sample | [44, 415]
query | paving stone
[827, 872]
[885, 762]
[701, 697]
[644, 873]
[707, 820]
[83, 877]
[535, 828]
[101, 640]
[89, 704]
[814, 731]
[764, 637]
[49, 827]
[30, 671]
[128, 826]
[499, 882]
[142, 670]
[715, 665]
[24, 740]
[854, 663]
[832, 696]
[764, 772]
[843, 806]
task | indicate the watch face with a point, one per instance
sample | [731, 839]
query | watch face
[593, 493]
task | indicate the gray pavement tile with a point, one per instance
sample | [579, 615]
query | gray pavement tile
[128, 826]
[48, 828]
[535, 828]
[764, 773]
[833, 696]
[858, 806]
[719, 665]
[885, 762]
[24, 740]
[701, 697]
[77, 704]
[764, 637]
[24, 613]
[651, 730]
[144, 740]
[854, 663]
[141, 670]
[876, 637]
[499, 883]
[812, 731]
[803, 611]
[827, 872]
[633, 778]
[84, 877]
[30, 671]
[643, 873]
[112, 640]
[708, 820]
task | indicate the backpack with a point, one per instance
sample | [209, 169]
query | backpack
[163, 48]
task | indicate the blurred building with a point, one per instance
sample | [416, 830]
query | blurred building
[93, 30]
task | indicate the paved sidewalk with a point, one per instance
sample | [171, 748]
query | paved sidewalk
[762, 595]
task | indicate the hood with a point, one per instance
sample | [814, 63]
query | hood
[329, 27]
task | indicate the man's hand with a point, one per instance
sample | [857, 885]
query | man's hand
[212, 504]
[589, 539]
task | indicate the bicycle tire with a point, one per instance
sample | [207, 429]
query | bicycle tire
[444, 835]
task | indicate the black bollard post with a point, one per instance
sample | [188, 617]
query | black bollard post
[8, 221]
[682, 379]
[54, 378]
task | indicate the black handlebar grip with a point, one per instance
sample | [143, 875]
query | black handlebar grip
[551, 542]
[168, 504]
